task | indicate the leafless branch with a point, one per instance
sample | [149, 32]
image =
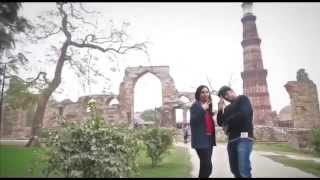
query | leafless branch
[81, 66]
[83, 9]
[92, 36]
[43, 74]
[48, 34]
[77, 66]
[213, 91]
[73, 14]
[115, 37]
[33, 81]
[119, 50]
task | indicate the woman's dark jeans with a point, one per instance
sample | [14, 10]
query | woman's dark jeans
[205, 162]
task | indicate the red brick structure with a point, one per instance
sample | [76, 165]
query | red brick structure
[254, 75]
[169, 93]
[17, 123]
[303, 94]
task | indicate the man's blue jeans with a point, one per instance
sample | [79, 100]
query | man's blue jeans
[239, 151]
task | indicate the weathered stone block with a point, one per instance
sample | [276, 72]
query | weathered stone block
[299, 138]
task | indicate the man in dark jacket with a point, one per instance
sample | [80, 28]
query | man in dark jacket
[236, 118]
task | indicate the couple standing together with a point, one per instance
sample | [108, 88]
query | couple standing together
[236, 120]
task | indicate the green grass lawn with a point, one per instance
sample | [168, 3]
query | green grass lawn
[175, 164]
[16, 162]
[304, 165]
[282, 148]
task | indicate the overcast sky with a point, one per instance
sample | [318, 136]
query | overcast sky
[203, 39]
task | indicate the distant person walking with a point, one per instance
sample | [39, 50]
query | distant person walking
[236, 119]
[203, 129]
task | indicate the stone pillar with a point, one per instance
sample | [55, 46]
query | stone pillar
[184, 116]
[304, 101]
[254, 75]
[299, 138]
[169, 96]
[126, 101]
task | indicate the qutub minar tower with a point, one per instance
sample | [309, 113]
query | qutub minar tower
[254, 75]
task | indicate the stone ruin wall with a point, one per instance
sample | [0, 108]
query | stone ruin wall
[16, 125]
[294, 123]
[305, 110]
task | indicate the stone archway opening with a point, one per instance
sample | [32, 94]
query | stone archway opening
[147, 100]
[169, 94]
[184, 99]
[182, 112]
[112, 101]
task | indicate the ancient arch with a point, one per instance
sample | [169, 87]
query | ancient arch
[184, 99]
[169, 93]
[189, 95]
[185, 106]
[111, 99]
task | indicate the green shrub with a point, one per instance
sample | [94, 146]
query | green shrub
[157, 142]
[92, 149]
[316, 140]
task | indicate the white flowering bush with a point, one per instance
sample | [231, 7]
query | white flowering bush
[92, 149]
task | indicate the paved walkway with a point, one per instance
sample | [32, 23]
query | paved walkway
[317, 160]
[17, 142]
[261, 165]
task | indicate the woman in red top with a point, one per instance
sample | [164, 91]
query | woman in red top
[203, 129]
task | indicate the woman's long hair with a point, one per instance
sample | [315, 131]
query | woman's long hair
[197, 96]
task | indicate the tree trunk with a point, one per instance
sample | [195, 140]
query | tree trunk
[37, 121]
[44, 98]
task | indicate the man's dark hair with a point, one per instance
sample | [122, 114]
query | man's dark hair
[223, 90]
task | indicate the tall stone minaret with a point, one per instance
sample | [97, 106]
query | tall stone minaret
[254, 75]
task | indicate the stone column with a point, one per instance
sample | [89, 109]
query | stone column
[304, 102]
[126, 101]
[299, 138]
[184, 116]
[304, 110]
[169, 95]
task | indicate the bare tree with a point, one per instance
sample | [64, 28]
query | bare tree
[215, 91]
[76, 50]
[10, 24]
